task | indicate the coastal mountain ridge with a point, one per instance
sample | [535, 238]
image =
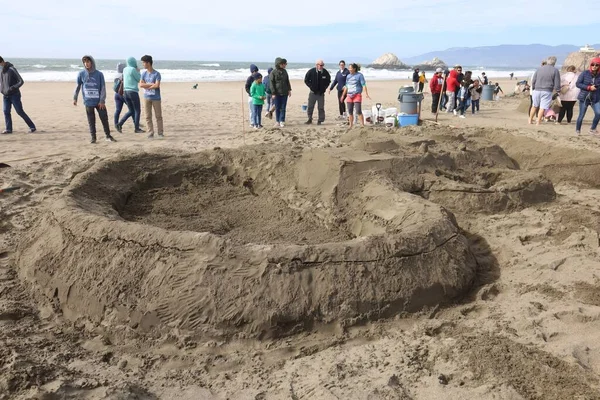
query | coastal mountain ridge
[506, 55]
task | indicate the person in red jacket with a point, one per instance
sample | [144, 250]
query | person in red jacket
[435, 85]
[452, 84]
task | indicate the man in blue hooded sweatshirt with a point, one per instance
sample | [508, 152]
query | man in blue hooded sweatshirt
[249, 82]
[93, 90]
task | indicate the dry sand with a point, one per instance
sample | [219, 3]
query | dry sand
[525, 198]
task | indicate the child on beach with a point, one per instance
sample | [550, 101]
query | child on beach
[94, 96]
[497, 90]
[258, 94]
[269, 100]
[150, 82]
[475, 96]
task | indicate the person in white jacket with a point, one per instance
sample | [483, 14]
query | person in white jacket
[568, 93]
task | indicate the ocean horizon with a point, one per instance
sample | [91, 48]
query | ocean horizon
[66, 70]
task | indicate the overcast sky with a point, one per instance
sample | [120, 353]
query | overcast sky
[299, 30]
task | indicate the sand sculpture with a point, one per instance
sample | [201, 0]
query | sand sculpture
[263, 242]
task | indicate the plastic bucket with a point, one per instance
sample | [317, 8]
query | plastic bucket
[304, 107]
[487, 93]
[368, 115]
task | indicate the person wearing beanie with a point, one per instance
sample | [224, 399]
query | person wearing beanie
[589, 95]
[268, 100]
[545, 85]
[249, 81]
[281, 89]
[131, 95]
[93, 90]
[10, 83]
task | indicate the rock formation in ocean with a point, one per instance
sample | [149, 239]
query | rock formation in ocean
[431, 65]
[388, 61]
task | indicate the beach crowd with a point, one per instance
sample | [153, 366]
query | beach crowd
[552, 95]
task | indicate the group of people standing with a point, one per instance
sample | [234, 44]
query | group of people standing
[453, 91]
[549, 87]
[276, 89]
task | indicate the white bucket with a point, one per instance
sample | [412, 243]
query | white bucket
[391, 112]
[368, 115]
[390, 122]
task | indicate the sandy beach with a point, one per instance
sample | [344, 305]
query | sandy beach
[523, 199]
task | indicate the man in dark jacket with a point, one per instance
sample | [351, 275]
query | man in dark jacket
[415, 79]
[281, 89]
[317, 79]
[249, 81]
[340, 82]
[10, 82]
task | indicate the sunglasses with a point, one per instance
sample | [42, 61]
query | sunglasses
[321, 65]
[594, 65]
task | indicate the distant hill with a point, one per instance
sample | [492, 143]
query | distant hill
[506, 55]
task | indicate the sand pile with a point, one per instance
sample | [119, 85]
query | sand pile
[267, 242]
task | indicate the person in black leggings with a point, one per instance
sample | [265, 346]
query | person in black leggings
[340, 82]
[569, 97]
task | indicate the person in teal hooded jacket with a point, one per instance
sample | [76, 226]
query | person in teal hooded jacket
[93, 90]
[131, 79]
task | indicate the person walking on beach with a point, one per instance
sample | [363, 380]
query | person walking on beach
[317, 79]
[258, 93]
[475, 96]
[281, 89]
[589, 84]
[415, 80]
[249, 81]
[93, 91]
[10, 82]
[545, 84]
[269, 99]
[435, 85]
[452, 87]
[118, 89]
[150, 82]
[422, 81]
[568, 93]
[340, 82]
[511, 75]
[355, 85]
[131, 80]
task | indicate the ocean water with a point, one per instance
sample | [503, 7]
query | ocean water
[66, 70]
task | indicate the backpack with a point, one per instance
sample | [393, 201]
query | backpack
[118, 86]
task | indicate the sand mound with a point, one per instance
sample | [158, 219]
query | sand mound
[262, 242]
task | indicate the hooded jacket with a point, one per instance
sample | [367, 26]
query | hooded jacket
[92, 85]
[279, 81]
[452, 83]
[317, 81]
[585, 82]
[131, 76]
[10, 80]
[251, 78]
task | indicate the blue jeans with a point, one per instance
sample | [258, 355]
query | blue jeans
[256, 114]
[132, 99]
[474, 105]
[280, 105]
[583, 105]
[15, 100]
[119, 101]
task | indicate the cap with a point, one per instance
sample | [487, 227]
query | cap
[439, 70]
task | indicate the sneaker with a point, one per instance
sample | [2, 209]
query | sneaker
[138, 131]
[578, 133]
[319, 122]
[260, 126]
[593, 132]
[282, 124]
[462, 116]
[160, 135]
[6, 132]
[308, 122]
[32, 130]
[93, 141]
[151, 135]
[454, 111]
[119, 128]
[110, 139]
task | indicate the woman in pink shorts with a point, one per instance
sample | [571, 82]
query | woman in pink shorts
[355, 84]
